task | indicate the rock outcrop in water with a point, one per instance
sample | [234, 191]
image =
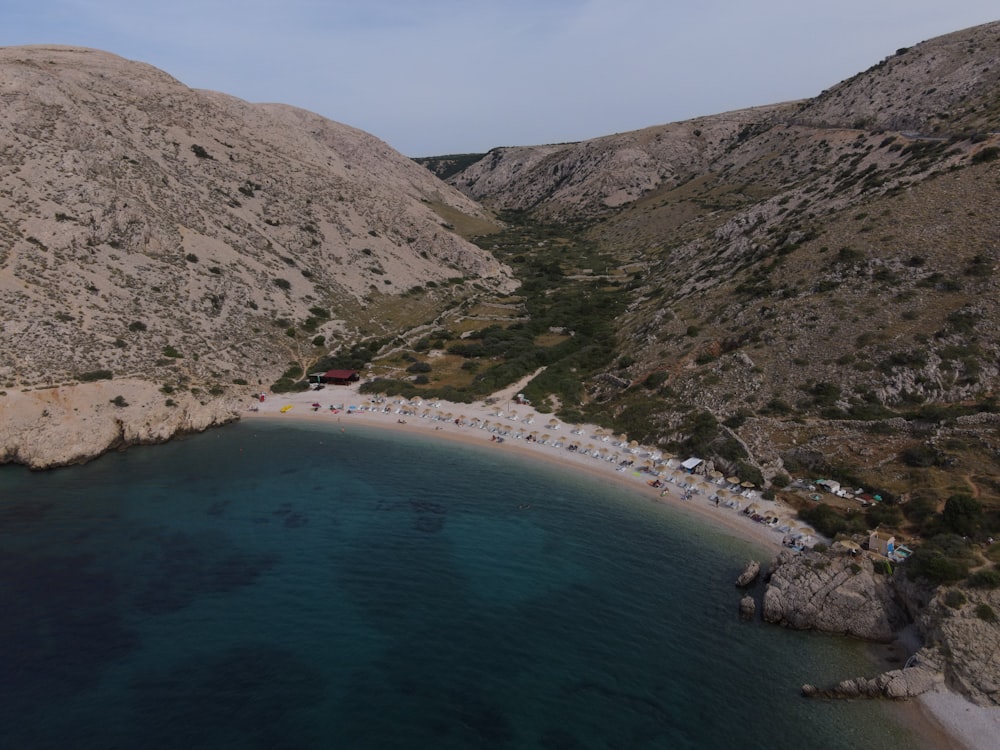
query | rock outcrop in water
[749, 574]
[831, 593]
[843, 594]
[922, 675]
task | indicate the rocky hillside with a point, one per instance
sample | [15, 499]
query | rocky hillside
[581, 180]
[192, 239]
[796, 271]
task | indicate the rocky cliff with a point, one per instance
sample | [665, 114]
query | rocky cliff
[832, 593]
[840, 593]
[64, 425]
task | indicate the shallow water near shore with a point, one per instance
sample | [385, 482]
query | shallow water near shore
[295, 586]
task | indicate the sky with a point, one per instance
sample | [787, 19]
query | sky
[434, 77]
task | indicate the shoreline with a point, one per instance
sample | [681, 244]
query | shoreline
[632, 478]
[943, 719]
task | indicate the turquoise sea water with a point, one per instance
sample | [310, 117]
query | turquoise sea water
[276, 586]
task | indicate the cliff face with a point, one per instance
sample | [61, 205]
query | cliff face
[969, 644]
[58, 426]
[835, 594]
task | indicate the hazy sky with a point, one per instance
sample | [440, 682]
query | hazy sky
[454, 76]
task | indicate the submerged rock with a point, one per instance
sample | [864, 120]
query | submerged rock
[748, 607]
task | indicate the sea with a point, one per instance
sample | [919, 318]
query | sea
[297, 585]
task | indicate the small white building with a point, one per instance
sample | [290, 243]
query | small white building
[882, 542]
[691, 464]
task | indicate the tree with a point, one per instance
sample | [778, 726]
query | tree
[963, 515]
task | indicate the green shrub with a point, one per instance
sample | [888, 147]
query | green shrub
[990, 153]
[943, 559]
[985, 579]
[963, 515]
[170, 351]
[136, 326]
[119, 401]
[419, 367]
[283, 284]
[93, 375]
[985, 613]
[287, 385]
[955, 599]
[654, 380]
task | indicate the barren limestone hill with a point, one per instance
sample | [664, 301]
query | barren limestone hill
[835, 259]
[189, 237]
[581, 180]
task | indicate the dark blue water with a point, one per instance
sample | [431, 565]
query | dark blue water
[267, 586]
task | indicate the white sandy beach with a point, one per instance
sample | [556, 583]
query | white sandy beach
[948, 720]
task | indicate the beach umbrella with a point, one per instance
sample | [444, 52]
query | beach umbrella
[752, 508]
[733, 480]
[623, 439]
[577, 430]
[716, 474]
[806, 530]
[747, 485]
[530, 419]
[512, 415]
[616, 457]
[590, 448]
[722, 494]
[545, 438]
[425, 413]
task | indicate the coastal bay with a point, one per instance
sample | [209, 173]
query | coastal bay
[292, 584]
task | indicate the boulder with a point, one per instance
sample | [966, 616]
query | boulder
[833, 594]
[749, 574]
[748, 607]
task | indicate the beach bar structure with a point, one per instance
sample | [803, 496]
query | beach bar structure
[692, 464]
[335, 377]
